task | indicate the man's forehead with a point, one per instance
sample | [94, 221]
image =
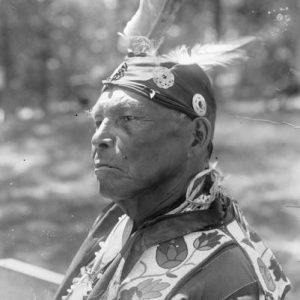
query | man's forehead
[119, 99]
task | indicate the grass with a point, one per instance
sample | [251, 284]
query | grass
[48, 195]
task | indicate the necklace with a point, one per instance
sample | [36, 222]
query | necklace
[195, 198]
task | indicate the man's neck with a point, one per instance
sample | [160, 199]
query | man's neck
[155, 201]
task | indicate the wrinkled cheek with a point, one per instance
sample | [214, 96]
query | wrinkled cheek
[126, 149]
[145, 151]
[142, 158]
[149, 162]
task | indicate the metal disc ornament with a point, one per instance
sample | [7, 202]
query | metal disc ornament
[199, 105]
[163, 77]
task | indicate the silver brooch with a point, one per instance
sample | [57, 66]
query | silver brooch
[163, 77]
[199, 105]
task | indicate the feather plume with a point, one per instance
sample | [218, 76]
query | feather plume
[210, 56]
[152, 20]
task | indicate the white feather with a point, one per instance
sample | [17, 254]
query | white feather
[151, 21]
[210, 56]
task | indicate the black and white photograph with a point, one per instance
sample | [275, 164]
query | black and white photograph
[149, 150]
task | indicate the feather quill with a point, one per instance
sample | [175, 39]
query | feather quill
[210, 56]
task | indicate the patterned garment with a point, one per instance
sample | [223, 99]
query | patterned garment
[191, 253]
[160, 267]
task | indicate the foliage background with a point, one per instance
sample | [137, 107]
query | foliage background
[53, 56]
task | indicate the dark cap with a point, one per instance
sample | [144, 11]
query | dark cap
[182, 87]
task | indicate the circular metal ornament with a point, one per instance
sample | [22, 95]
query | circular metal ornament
[199, 105]
[163, 77]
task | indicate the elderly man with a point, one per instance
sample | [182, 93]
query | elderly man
[171, 232]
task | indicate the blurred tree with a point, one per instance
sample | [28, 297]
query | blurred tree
[296, 37]
[54, 51]
[6, 56]
[218, 14]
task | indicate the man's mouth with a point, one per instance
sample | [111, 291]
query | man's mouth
[103, 166]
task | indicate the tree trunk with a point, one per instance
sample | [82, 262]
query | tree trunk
[43, 57]
[43, 32]
[6, 100]
[217, 11]
[296, 37]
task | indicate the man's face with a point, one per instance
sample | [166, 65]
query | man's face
[137, 144]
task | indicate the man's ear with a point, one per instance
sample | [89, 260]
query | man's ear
[202, 135]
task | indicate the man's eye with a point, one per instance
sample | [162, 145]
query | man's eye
[128, 118]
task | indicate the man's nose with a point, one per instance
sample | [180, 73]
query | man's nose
[103, 138]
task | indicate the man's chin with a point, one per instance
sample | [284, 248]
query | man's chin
[118, 190]
[111, 188]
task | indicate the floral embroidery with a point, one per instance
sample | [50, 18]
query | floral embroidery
[248, 242]
[277, 271]
[171, 275]
[131, 294]
[254, 237]
[171, 253]
[240, 218]
[147, 289]
[173, 256]
[266, 275]
[207, 241]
